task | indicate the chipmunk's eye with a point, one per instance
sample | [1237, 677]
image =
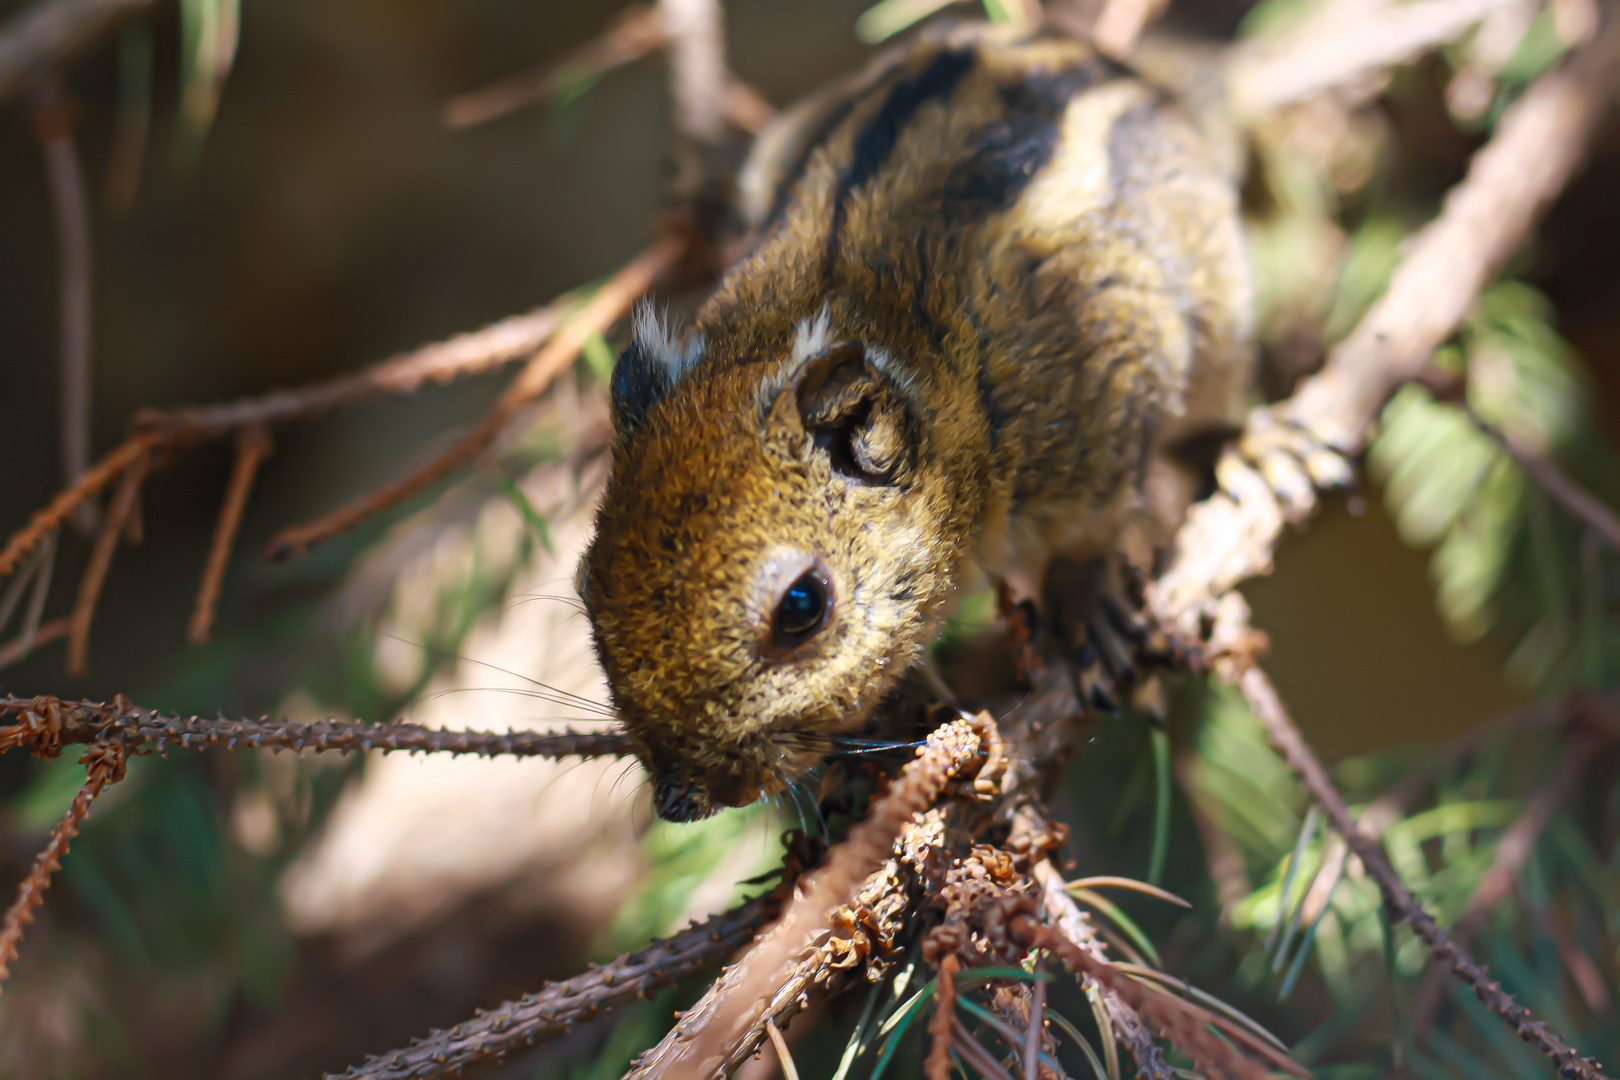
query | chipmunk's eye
[803, 609]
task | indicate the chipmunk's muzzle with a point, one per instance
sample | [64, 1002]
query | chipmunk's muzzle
[682, 799]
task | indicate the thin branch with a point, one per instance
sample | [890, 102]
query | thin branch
[47, 722]
[95, 573]
[603, 310]
[1257, 689]
[1343, 44]
[1510, 182]
[938, 1065]
[634, 32]
[104, 765]
[70, 212]
[707, 1034]
[1576, 500]
[39, 38]
[252, 447]
[555, 1009]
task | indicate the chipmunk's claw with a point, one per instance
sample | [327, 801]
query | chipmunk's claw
[1287, 459]
[1118, 647]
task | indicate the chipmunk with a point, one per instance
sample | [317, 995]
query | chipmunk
[994, 275]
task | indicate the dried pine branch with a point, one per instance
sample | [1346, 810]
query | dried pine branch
[733, 1011]
[605, 308]
[104, 763]
[553, 1010]
[46, 724]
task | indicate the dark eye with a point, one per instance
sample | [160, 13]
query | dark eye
[802, 610]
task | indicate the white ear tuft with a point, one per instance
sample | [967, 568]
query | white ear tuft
[812, 336]
[652, 336]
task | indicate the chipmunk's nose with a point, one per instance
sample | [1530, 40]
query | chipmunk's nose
[681, 801]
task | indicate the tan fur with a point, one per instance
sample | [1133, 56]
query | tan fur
[1030, 338]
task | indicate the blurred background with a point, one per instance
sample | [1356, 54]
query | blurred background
[275, 199]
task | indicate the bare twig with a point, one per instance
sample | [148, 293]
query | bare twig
[638, 31]
[697, 66]
[1121, 23]
[70, 211]
[252, 446]
[23, 644]
[938, 1065]
[39, 38]
[1512, 852]
[600, 313]
[554, 1010]
[443, 362]
[95, 573]
[1037, 1024]
[1343, 44]
[1185, 1024]
[1537, 147]
[634, 32]
[1576, 500]
[104, 765]
[47, 521]
[702, 1041]
[1402, 905]
[49, 722]
[1067, 919]
[969, 1049]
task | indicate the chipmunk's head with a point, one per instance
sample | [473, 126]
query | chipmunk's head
[768, 557]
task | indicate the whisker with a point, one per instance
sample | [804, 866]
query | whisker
[804, 789]
[536, 694]
[875, 744]
[582, 702]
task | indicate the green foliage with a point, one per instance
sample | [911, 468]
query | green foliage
[1502, 552]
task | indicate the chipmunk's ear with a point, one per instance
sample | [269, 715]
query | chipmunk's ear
[648, 370]
[855, 413]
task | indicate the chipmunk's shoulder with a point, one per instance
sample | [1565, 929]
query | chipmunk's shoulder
[972, 69]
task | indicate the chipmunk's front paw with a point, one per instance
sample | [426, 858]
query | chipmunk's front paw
[1118, 646]
[1288, 459]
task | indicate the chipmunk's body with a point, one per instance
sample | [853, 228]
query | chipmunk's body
[992, 275]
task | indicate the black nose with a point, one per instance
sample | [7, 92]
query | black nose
[680, 801]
